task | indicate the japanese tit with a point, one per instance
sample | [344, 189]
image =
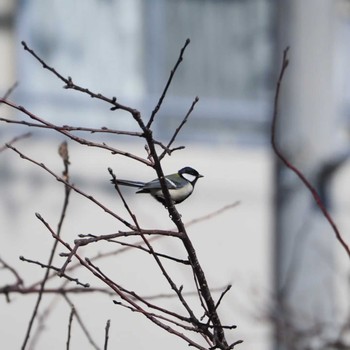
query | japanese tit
[180, 185]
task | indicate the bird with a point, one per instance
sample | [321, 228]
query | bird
[180, 185]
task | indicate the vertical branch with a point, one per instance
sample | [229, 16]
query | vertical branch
[152, 252]
[108, 325]
[63, 151]
[70, 327]
[219, 335]
[172, 73]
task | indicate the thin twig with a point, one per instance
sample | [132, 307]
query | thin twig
[103, 130]
[222, 295]
[289, 165]
[81, 323]
[161, 317]
[134, 296]
[74, 188]
[108, 325]
[19, 280]
[119, 291]
[7, 289]
[41, 321]
[161, 255]
[156, 234]
[172, 73]
[70, 85]
[167, 148]
[72, 312]
[71, 279]
[52, 254]
[75, 138]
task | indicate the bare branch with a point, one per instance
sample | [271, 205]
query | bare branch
[8, 288]
[81, 323]
[72, 312]
[222, 295]
[70, 85]
[103, 130]
[172, 73]
[53, 251]
[75, 189]
[167, 148]
[211, 330]
[108, 325]
[71, 279]
[289, 165]
[77, 139]
[119, 291]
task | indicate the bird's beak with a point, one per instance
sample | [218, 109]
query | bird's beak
[200, 175]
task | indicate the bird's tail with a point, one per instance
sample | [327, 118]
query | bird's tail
[137, 184]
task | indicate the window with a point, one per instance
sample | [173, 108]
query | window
[127, 49]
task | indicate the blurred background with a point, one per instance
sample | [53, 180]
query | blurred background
[290, 275]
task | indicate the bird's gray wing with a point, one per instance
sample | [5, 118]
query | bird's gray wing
[171, 183]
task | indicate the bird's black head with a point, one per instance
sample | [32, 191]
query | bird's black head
[189, 174]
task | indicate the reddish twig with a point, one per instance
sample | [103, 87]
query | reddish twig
[289, 165]
[74, 137]
[103, 129]
[75, 189]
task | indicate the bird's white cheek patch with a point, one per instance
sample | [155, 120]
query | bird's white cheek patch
[189, 177]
